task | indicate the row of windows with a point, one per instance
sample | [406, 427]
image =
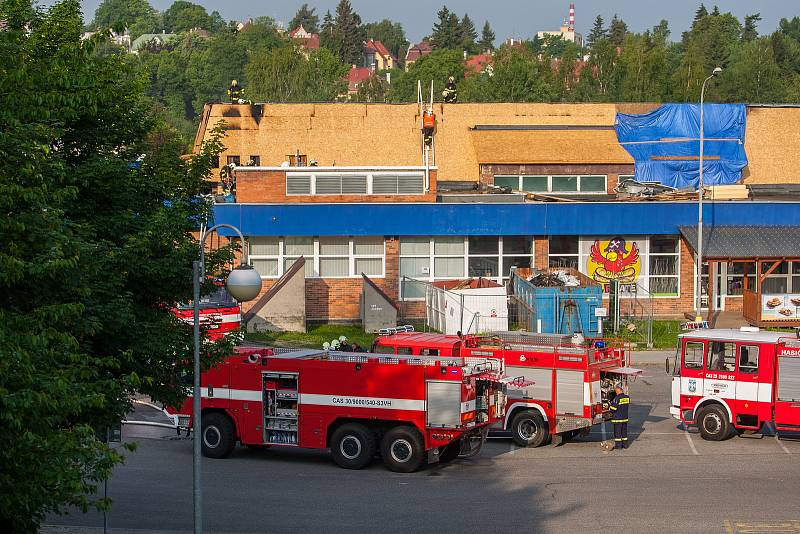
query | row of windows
[659, 268]
[554, 183]
[251, 161]
[730, 278]
[721, 356]
[329, 257]
[355, 184]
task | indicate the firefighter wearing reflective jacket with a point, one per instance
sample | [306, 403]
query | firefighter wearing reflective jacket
[619, 417]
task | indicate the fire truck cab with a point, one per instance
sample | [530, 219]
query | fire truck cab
[726, 380]
[409, 409]
[220, 314]
[564, 384]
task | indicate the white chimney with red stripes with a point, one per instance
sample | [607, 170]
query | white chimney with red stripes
[572, 17]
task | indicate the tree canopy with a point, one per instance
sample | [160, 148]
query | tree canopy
[306, 18]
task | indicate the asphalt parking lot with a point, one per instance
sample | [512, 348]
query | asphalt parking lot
[669, 480]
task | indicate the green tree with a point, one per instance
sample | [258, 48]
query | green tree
[327, 37]
[753, 74]
[95, 250]
[391, 34]
[446, 31]
[600, 79]
[306, 18]
[699, 15]
[750, 31]
[437, 67]
[348, 34]
[617, 31]
[374, 89]
[517, 76]
[137, 15]
[642, 69]
[598, 32]
[552, 45]
[790, 27]
[183, 15]
[487, 38]
[285, 75]
[468, 34]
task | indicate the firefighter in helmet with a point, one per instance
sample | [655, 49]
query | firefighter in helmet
[236, 93]
[428, 126]
[450, 94]
[619, 417]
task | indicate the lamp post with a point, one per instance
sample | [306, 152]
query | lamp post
[243, 284]
[699, 286]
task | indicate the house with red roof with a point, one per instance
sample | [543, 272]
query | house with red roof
[477, 63]
[423, 48]
[377, 56]
[306, 40]
[356, 77]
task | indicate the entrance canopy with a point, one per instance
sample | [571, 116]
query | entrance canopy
[745, 242]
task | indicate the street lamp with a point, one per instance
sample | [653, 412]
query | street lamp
[243, 284]
[699, 286]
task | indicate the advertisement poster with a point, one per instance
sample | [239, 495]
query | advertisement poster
[776, 307]
[614, 259]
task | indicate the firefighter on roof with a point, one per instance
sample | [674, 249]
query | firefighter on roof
[236, 93]
[619, 417]
[450, 94]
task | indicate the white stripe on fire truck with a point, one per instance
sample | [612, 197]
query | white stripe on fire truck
[728, 389]
[227, 318]
[232, 394]
[362, 402]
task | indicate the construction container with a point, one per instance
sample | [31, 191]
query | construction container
[556, 310]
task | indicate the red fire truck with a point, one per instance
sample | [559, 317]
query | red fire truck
[219, 312]
[736, 379]
[569, 382]
[409, 409]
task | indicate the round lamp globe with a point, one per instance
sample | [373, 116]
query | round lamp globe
[244, 283]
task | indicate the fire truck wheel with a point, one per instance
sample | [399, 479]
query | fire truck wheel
[219, 435]
[402, 449]
[713, 423]
[528, 429]
[353, 446]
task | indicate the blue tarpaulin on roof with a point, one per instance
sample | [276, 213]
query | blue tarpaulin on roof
[660, 139]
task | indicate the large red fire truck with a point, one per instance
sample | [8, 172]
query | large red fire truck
[569, 381]
[736, 379]
[220, 314]
[410, 409]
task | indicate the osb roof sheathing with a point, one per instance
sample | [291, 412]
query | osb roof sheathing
[772, 142]
[548, 146]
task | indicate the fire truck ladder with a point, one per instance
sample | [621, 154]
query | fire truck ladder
[428, 152]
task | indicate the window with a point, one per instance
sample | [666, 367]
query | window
[663, 272]
[483, 256]
[564, 251]
[404, 350]
[777, 281]
[236, 160]
[735, 277]
[254, 161]
[326, 183]
[748, 358]
[721, 357]
[693, 355]
[383, 349]
[327, 257]
[554, 184]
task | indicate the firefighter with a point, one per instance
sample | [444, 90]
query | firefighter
[450, 93]
[428, 125]
[236, 93]
[619, 417]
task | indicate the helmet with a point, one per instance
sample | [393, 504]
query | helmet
[326, 346]
[451, 79]
[342, 338]
[234, 82]
[335, 344]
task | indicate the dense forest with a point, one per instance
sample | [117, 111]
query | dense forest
[615, 65]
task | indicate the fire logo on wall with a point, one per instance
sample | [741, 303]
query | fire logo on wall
[614, 260]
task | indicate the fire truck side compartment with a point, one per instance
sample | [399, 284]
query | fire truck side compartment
[443, 403]
[569, 392]
[788, 379]
[542, 387]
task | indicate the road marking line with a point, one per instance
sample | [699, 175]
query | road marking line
[778, 441]
[691, 443]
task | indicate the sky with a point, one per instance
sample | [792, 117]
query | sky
[508, 18]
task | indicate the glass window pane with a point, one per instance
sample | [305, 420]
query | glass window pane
[415, 267]
[721, 357]
[334, 267]
[774, 285]
[564, 261]
[415, 246]
[411, 289]
[517, 244]
[795, 284]
[534, 183]
[693, 355]
[795, 267]
[738, 267]
[309, 270]
[483, 245]
[263, 246]
[564, 244]
[564, 183]
[663, 286]
[368, 246]
[507, 181]
[486, 267]
[594, 184]
[298, 246]
[265, 267]
[783, 268]
[664, 244]
[369, 266]
[334, 246]
[448, 246]
[748, 358]
[662, 265]
[515, 261]
[448, 267]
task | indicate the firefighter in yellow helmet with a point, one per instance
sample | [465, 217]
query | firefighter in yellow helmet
[450, 93]
[236, 93]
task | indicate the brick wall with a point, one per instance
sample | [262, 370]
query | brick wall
[270, 187]
[612, 171]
